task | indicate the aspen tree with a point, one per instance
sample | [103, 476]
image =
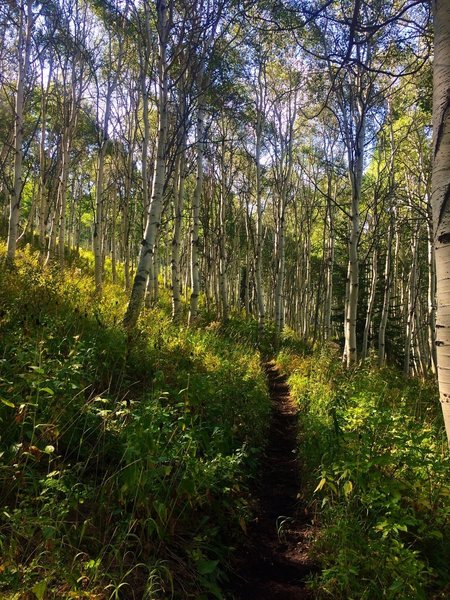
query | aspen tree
[441, 197]
[26, 20]
[260, 101]
[164, 22]
[213, 11]
[200, 149]
[104, 142]
[178, 207]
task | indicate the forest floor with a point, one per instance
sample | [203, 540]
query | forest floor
[275, 563]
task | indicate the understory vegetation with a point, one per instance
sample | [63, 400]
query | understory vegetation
[376, 473]
[124, 463]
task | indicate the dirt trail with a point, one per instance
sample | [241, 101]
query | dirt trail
[275, 563]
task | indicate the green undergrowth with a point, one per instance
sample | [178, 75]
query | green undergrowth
[377, 475]
[124, 463]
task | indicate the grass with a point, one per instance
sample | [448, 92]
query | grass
[124, 464]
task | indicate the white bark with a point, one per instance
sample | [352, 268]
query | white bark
[431, 290]
[329, 263]
[195, 271]
[412, 299]
[260, 103]
[386, 296]
[178, 205]
[156, 204]
[223, 279]
[370, 304]
[356, 163]
[23, 54]
[441, 196]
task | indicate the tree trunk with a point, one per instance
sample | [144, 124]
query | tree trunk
[431, 291]
[356, 172]
[259, 209]
[195, 271]
[156, 204]
[223, 280]
[412, 299]
[386, 296]
[178, 202]
[23, 51]
[440, 200]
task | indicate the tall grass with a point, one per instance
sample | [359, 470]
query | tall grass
[124, 463]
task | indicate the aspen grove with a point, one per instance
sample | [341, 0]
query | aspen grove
[283, 164]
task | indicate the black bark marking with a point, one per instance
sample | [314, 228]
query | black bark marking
[444, 204]
[440, 131]
[444, 238]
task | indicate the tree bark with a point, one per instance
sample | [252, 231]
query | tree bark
[24, 48]
[195, 271]
[440, 200]
[156, 204]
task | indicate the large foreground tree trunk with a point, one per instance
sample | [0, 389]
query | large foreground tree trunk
[441, 196]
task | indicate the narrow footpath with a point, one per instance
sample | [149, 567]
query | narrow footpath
[275, 564]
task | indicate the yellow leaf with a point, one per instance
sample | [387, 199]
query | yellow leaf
[348, 487]
[243, 525]
[322, 482]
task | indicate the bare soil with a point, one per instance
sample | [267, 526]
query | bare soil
[275, 563]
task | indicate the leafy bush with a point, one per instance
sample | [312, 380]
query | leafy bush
[374, 447]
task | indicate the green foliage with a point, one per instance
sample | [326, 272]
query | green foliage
[124, 463]
[378, 469]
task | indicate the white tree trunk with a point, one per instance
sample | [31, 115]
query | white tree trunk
[370, 304]
[412, 299]
[195, 271]
[386, 296]
[431, 291]
[23, 54]
[356, 172]
[178, 205]
[259, 208]
[156, 204]
[223, 279]
[440, 200]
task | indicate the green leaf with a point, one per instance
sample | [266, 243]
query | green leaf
[206, 567]
[47, 390]
[8, 403]
[348, 487]
[39, 589]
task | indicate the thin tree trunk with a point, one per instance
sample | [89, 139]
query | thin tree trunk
[431, 291]
[412, 298]
[259, 209]
[178, 201]
[370, 304]
[350, 351]
[223, 280]
[24, 49]
[386, 296]
[195, 272]
[156, 205]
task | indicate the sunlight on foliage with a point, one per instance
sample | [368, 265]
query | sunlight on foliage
[378, 470]
[124, 463]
